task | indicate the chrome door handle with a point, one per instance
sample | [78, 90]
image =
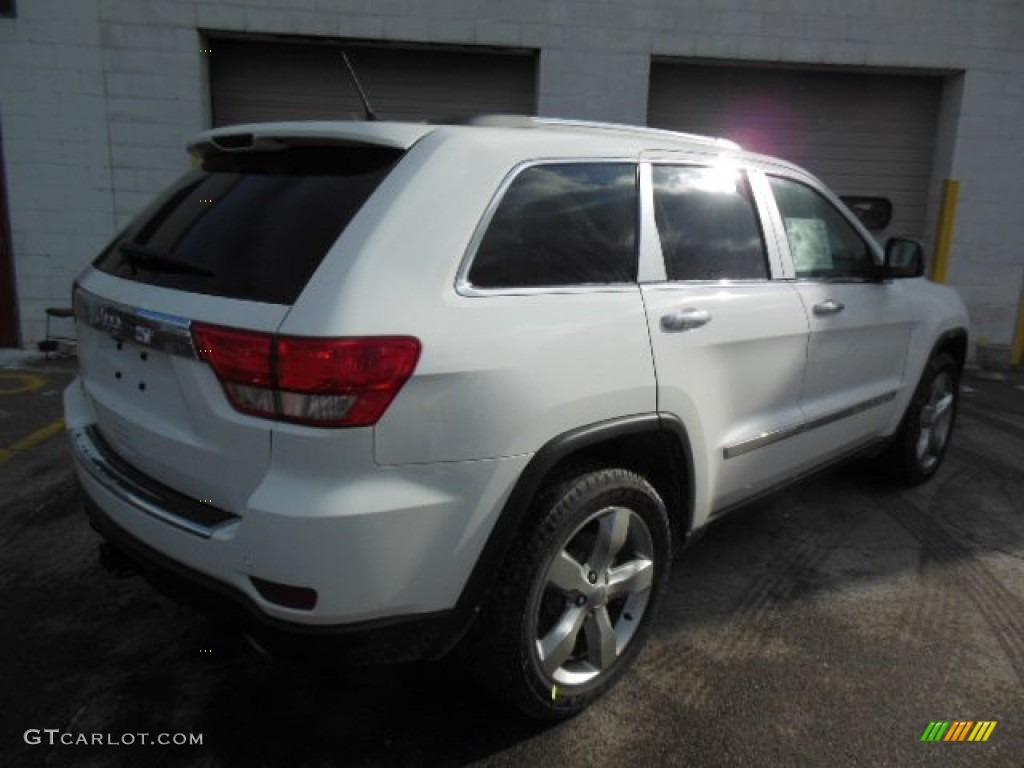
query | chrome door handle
[685, 320]
[830, 307]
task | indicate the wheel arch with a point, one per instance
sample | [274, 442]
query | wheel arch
[905, 455]
[954, 343]
[652, 445]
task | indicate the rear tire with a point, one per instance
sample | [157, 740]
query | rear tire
[573, 603]
[921, 442]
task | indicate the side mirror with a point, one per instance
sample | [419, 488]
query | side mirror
[875, 213]
[904, 257]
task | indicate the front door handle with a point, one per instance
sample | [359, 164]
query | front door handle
[830, 307]
[685, 320]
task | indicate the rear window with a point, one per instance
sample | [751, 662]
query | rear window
[251, 226]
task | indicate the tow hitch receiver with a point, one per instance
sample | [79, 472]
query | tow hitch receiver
[115, 562]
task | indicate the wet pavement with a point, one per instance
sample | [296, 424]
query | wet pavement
[827, 625]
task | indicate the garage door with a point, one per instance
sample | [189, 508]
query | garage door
[261, 80]
[863, 134]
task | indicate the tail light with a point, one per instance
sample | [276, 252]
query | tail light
[242, 362]
[347, 382]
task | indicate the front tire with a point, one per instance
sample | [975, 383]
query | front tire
[924, 434]
[573, 604]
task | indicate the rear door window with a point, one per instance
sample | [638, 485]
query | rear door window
[707, 223]
[562, 224]
[251, 225]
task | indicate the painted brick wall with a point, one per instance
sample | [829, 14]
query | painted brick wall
[97, 98]
[54, 123]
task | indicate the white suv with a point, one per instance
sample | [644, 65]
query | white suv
[390, 388]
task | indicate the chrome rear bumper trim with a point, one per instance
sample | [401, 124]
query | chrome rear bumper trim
[132, 487]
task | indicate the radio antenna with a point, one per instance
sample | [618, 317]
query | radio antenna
[367, 109]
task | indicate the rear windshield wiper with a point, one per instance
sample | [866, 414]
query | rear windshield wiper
[144, 257]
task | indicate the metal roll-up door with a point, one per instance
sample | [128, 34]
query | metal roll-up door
[862, 133]
[257, 80]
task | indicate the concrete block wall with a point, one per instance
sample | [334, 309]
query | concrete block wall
[988, 245]
[98, 97]
[53, 118]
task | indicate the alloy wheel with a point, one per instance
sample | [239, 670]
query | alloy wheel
[588, 604]
[936, 420]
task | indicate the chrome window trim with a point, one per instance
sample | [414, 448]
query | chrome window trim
[724, 283]
[167, 333]
[651, 264]
[849, 279]
[772, 228]
[463, 286]
[778, 435]
[469, 291]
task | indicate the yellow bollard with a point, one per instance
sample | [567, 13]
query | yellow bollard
[944, 233]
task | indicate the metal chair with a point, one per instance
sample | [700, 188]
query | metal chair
[52, 341]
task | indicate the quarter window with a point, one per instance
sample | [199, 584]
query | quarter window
[823, 243]
[562, 224]
[707, 224]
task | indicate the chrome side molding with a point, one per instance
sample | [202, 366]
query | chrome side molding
[769, 438]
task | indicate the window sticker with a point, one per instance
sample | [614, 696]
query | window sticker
[808, 240]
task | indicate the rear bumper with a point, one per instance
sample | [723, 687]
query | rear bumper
[135, 489]
[386, 552]
[400, 638]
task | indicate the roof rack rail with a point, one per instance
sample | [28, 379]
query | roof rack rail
[527, 121]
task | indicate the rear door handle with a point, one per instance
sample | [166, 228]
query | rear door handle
[829, 307]
[685, 320]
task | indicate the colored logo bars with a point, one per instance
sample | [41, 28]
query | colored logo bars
[958, 730]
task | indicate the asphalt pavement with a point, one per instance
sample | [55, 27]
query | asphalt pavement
[830, 624]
